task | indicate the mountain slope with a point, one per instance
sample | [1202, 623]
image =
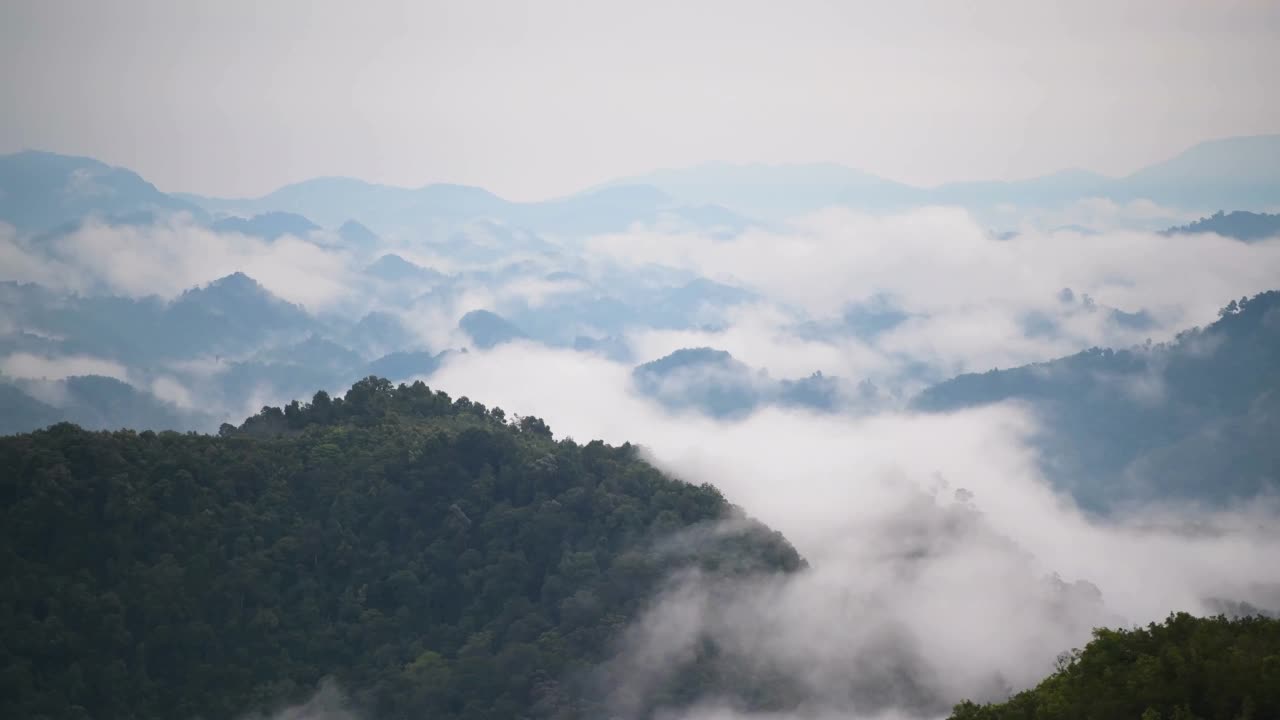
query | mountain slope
[1231, 172]
[40, 191]
[1240, 172]
[1140, 423]
[488, 329]
[1185, 667]
[231, 315]
[268, 226]
[1239, 224]
[714, 383]
[393, 268]
[333, 201]
[19, 412]
[433, 558]
[94, 402]
[236, 310]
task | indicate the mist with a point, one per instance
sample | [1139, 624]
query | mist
[943, 565]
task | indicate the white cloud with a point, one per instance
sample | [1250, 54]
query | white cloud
[173, 392]
[29, 366]
[968, 293]
[165, 259]
[958, 588]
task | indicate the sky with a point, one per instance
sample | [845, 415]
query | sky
[534, 100]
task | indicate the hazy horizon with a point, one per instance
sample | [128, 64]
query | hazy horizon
[642, 174]
[236, 100]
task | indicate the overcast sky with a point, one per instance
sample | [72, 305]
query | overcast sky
[539, 99]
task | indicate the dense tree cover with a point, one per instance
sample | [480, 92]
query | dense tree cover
[436, 557]
[1183, 669]
[1194, 418]
[1238, 224]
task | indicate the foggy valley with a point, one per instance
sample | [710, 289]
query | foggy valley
[738, 436]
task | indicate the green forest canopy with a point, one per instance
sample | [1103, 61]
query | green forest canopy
[436, 559]
[1183, 669]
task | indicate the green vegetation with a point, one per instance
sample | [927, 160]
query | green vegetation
[437, 558]
[1184, 669]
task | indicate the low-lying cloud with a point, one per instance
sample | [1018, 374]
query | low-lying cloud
[167, 258]
[29, 366]
[970, 297]
[944, 565]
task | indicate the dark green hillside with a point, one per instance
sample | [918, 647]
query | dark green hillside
[434, 557]
[1183, 669]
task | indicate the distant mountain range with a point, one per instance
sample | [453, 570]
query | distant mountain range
[331, 201]
[1241, 172]
[40, 191]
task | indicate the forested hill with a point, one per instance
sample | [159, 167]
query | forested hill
[1239, 224]
[435, 557]
[1185, 668]
[1196, 418]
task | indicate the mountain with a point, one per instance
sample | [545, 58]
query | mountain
[431, 557]
[712, 382]
[315, 351]
[233, 313]
[355, 236]
[331, 201]
[268, 226]
[19, 412]
[716, 372]
[487, 329]
[40, 191]
[94, 402]
[1185, 667]
[611, 209]
[1241, 172]
[1238, 224]
[393, 268]
[378, 333]
[1235, 172]
[1195, 419]
[403, 365]
[104, 403]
